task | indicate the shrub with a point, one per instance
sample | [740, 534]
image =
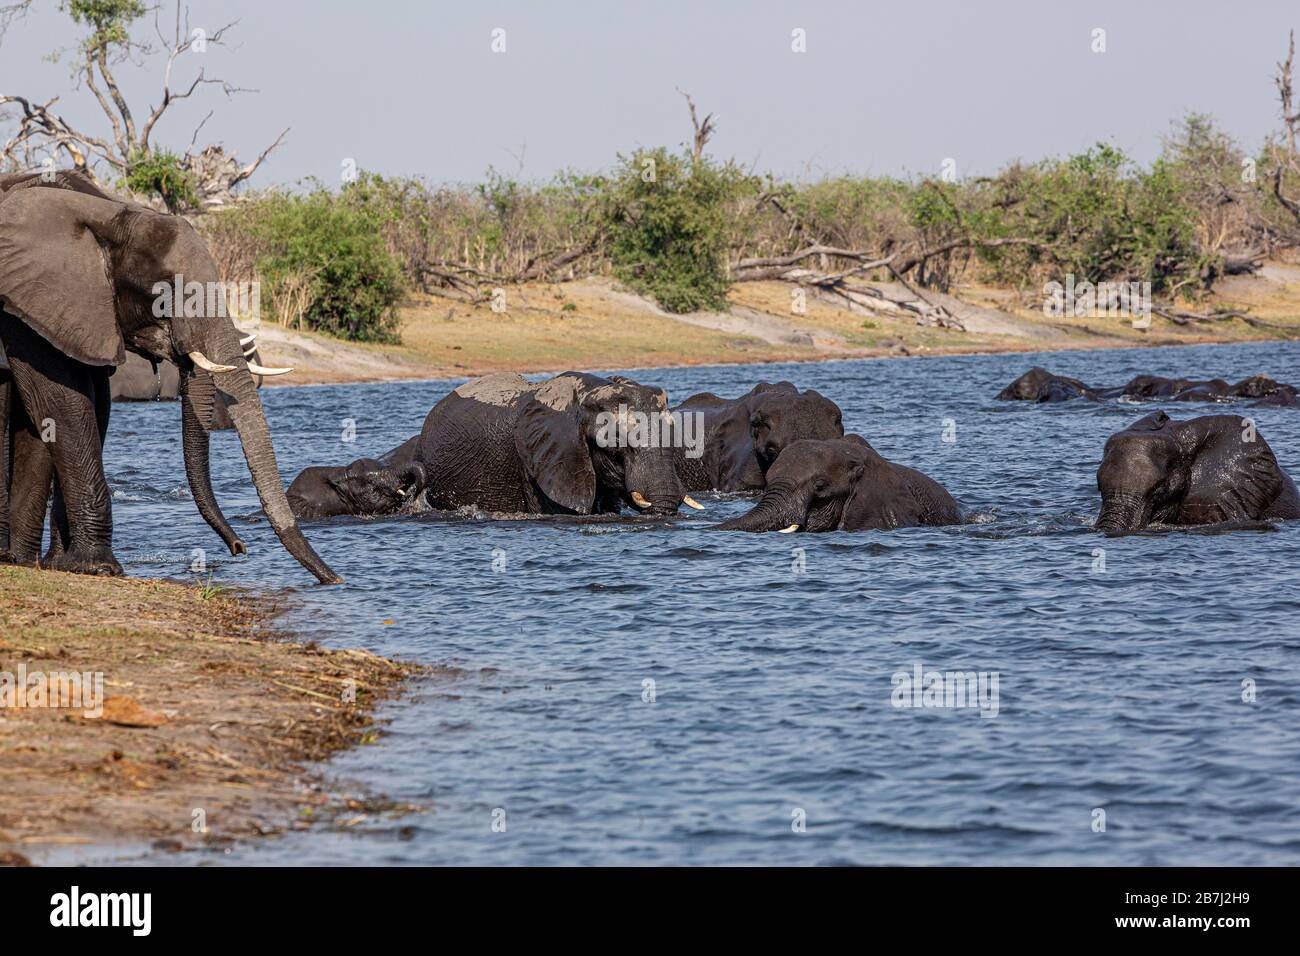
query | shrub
[161, 173]
[327, 254]
[668, 228]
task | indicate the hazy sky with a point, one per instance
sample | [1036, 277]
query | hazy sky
[406, 87]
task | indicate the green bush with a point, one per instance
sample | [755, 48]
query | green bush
[334, 245]
[161, 173]
[667, 227]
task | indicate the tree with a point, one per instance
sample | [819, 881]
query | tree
[184, 181]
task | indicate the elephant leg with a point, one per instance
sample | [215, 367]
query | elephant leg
[29, 492]
[60, 532]
[62, 399]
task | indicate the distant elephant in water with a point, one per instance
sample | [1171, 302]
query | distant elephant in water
[502, 444]
[1204, 470]
[1040, 385]
[844, 485]
[743, 436]
[366, 487]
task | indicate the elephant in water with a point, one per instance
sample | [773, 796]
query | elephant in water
[1204, 470]
[1040, 385]
[574, 444]
[844, 485]
[743, 436]
[366, 487]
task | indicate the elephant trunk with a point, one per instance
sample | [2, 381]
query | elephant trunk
[1123, 513]
[250, 424]
[198, 406]
[778, 509]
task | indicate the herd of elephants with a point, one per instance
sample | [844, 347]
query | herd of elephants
[81, 327]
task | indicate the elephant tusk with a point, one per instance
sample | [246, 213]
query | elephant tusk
[247, 340]
[692, 503]
[639, 500]
[793, 527]
[262, 370]
[203, 362]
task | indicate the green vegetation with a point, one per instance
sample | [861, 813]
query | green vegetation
[161, 172]
[677, 229]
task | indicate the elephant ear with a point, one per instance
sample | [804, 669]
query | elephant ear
[553, 448]
[54, 274]
[1255, 479]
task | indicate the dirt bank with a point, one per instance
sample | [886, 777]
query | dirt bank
[595, 324]
[208, 718]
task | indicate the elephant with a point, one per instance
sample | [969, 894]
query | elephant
[365, 488]
[1040, 385]
[82, 275]
[743, 436]
[1204, 470]
[844, 485]
[564, 446]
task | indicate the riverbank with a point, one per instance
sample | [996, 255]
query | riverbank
[195, 721]
[595, 324]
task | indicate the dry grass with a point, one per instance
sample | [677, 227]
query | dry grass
[237, 711]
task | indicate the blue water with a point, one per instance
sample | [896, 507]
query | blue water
[1119, 690]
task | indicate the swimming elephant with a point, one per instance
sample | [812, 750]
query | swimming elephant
[366, 487]
[1040, 385]
[743, 436]
[574, 444]
[844, 485]
[80, 273]
[1200, 471]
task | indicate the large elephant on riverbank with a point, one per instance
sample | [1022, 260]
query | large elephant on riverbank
[569, 445]
[743, 436]
[1204, 470]
[80, 272]
[844, 485]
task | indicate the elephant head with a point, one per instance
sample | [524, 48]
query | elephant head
[1040, 385]
[1202, 471]
[779, 417]
[844, 485]
[365, 487]
[592, 444]
[95, 276]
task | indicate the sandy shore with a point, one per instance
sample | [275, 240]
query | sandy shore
[595, 324]
[202, 731]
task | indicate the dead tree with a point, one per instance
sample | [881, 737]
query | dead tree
[44, 135]
[703, 131]
[1290, 128]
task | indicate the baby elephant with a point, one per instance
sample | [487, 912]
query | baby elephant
[1201, 471]
[844, 484]
[365, 487]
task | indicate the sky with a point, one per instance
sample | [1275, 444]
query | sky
[415, 88]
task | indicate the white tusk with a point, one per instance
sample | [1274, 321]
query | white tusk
[793, 527]
[202, 361]
[262, 370]
[692, 503]
[639, 500]
[247, 340]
